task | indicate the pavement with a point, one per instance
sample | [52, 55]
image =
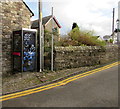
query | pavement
[99, 89]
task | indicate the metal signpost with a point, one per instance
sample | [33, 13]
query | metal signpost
[52, 43]
[40, 33]
[113, 20]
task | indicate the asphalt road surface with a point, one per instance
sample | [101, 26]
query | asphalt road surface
[96, 90]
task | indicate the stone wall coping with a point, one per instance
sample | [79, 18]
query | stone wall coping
[73, 48]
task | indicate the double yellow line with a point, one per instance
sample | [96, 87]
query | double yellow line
[63, 82]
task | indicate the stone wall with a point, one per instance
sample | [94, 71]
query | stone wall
[73, 57]
[15, 15]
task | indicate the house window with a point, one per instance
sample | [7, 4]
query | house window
[55, 30]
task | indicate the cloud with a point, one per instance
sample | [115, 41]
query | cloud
[88, 14]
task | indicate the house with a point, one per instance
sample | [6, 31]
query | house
[114, 37]
[47, 24]
[14, 16]
[99, 38]
[107, 38]
[111, 38]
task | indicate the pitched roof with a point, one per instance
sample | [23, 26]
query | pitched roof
[44, 21]
[28, 8]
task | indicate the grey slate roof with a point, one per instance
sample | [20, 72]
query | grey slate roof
[44, 21]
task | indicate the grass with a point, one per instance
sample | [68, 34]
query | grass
[17, 82]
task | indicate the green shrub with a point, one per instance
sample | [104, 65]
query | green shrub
[111, 40]
[77, 37]
[66, 42]
[74, 34]
[85, 37]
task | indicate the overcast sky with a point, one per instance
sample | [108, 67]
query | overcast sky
[88, 14]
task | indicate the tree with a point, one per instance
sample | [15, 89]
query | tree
[85, 37]
[79, 37]
[74, 26]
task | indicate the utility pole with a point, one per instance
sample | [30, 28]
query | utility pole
[113, 20]
[40, 33]
[118, 24]
[52, 43]
[117, 31]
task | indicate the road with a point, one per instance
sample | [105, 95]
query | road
[96, 90]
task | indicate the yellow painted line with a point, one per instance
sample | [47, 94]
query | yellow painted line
[92, 72]
[85, 75]
[26, 91]
[53, 83]
[51, 86]
[98, 69]
[31, 91]
[45, 86]
[16, 96]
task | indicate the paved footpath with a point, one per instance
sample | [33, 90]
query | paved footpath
[95, 90]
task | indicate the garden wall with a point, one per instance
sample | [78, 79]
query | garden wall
[79, 56]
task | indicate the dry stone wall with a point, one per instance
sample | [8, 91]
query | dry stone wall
[73, 57]
[15, 16]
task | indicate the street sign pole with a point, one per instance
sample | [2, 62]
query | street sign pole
[52, 44]
[40, 33]
[113, 20]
